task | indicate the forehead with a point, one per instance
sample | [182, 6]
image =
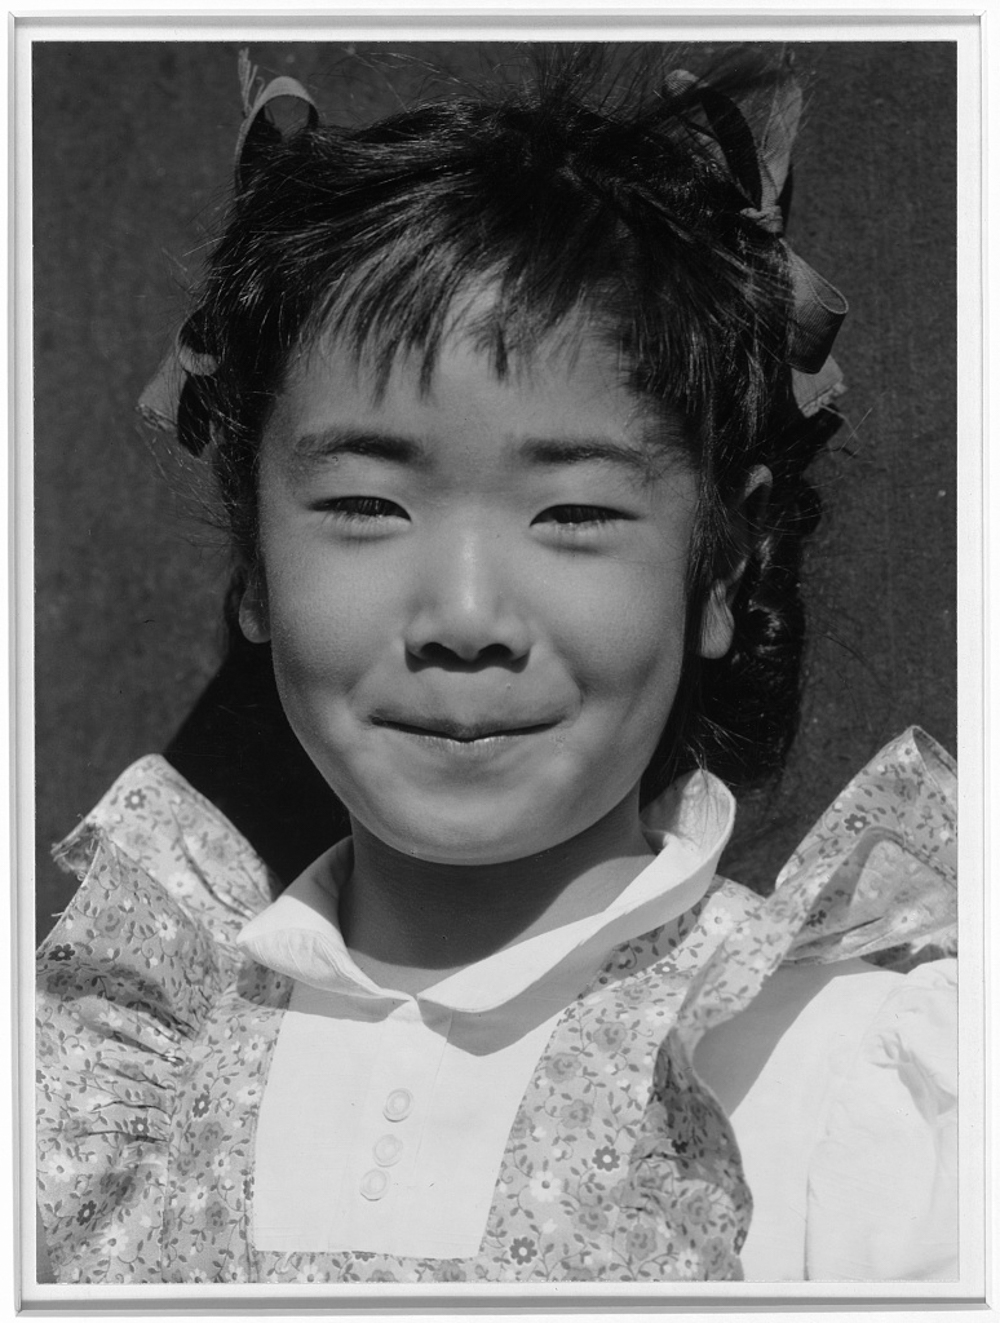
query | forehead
[574, 382]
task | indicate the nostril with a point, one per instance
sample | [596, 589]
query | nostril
[439, 654]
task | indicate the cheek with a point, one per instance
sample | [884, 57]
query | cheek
[324, 625]
[631, 652]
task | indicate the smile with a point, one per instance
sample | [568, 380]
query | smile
[460, 732]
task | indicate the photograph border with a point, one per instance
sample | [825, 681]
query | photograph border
[977, 573]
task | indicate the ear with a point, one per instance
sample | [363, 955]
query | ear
[717, 624]
[253, 615]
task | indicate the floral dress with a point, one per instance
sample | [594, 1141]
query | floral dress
[156, 1034]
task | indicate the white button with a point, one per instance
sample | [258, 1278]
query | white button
[397, 1105]
[387, 1150]
[374, 1184]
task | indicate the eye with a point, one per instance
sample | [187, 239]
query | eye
[573, 517]
[361, 509]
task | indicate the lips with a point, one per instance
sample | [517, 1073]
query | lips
[464, 732]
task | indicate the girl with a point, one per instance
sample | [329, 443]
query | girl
[509, 401]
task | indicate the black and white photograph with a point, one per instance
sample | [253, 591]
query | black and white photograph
[496, 674]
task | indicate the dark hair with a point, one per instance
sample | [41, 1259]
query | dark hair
[568, 196]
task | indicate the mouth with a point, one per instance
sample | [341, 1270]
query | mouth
[462, 732]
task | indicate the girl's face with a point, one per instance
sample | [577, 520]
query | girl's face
[475, 594]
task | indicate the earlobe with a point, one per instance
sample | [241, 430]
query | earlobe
[717, 624]
[253, 613]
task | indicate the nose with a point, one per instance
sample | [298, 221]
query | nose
[466, 610]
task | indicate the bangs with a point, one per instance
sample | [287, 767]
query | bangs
[510, 292]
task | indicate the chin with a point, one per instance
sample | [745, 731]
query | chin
[465, 846]
[463, 835]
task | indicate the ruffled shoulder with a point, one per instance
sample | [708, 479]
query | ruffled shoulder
[126, 980]
[153, 817]
[877, 873]
[875, 877]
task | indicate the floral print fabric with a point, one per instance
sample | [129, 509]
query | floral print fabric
[155, 1038]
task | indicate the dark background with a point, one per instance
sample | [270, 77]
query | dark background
[133, 151]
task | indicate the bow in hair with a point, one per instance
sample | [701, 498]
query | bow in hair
[759, 165]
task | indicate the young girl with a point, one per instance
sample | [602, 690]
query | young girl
[509, 401]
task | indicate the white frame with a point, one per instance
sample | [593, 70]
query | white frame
[978, 574]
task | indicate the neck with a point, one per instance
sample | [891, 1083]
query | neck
[409, 923]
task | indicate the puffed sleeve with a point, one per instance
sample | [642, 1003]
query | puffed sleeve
[882, 1181]
[125, 980]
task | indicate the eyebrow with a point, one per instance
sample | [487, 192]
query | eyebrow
[333, 442]
[554, 451]
[543, 452]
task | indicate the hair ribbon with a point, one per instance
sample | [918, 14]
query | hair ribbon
[759, 165]
[165, 397]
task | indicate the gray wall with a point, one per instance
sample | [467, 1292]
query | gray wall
[133, 147]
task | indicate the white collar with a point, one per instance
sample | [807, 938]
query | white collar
[688, 827]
